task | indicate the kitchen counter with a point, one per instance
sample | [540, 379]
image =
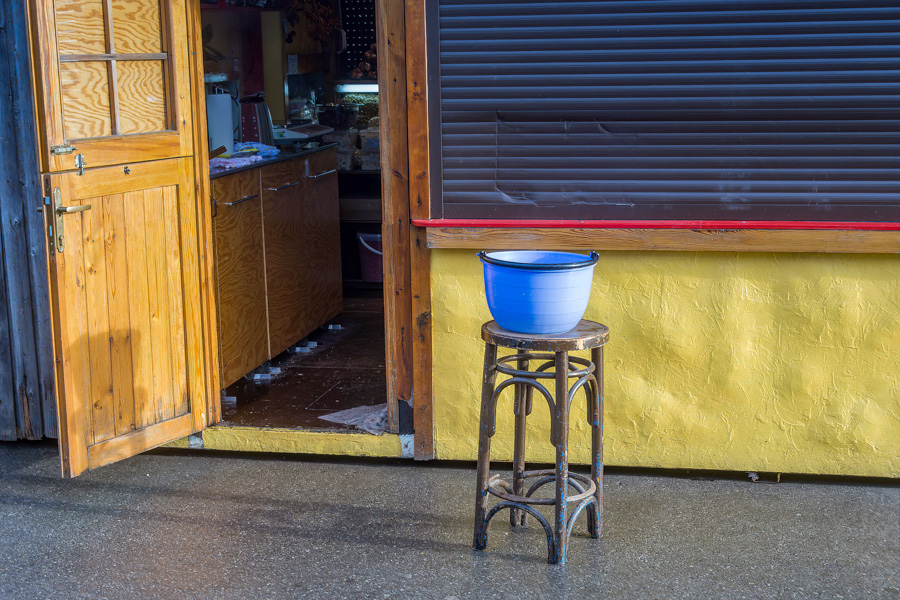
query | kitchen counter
[285, 155]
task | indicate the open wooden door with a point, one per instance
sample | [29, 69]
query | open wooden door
[114, 112]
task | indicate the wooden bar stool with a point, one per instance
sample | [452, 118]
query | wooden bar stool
[552, 355]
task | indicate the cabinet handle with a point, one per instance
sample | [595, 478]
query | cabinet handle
[283, 187]
[241, 200]
[323, 174]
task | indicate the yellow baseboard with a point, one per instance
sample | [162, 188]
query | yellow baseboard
[295, 441]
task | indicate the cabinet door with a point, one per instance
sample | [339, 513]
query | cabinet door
[323, 251]
[303, 256]
[286, 273]
[240, 274]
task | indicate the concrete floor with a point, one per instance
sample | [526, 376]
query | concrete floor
[177, 526]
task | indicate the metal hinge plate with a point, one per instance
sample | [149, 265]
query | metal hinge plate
[62, 149]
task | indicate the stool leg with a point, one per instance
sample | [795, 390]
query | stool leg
[595, 517]
[516, 516]
[484, 445]
[560, 425]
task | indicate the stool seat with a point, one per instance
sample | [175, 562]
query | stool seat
[540, 358]
[585, 335]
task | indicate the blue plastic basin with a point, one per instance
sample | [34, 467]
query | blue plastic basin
[538, 292]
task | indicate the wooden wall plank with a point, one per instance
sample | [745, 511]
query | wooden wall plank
[119, 316]
[176, 302]
[391, 28]
[102, 396]
[19, 189]
[160, 328]
[139, 307]
[23, 112]
[423, 389]
[420, 256]
[417, 110]
[690, 240]
[74, 303]
[7, 396]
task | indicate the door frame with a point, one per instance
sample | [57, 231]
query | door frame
[404, 182]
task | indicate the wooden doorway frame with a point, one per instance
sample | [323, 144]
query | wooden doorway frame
[404, 181]
[407, 273]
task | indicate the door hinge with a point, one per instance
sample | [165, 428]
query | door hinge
[62, 149]
[214, 206]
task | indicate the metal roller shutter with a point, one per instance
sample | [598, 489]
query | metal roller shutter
[650, 109]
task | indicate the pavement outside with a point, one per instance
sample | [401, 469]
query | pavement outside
[200, 525]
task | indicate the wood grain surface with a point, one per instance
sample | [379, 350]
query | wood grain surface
[422, 359]
[80, 26]
[417, 110]
[692, 240]
[240, 275]
[391, 33]
[203, 210]
[142, 96]
[86, 87]
[302, 249]
[322, 251]
[136, 24]
[284, 229]
[126, 285]
[27, 399]
[85, 99]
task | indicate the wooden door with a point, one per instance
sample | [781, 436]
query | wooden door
[240, 274]
[125, 248]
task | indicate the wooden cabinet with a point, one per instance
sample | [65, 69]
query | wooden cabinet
[240, 274]
[277, 235]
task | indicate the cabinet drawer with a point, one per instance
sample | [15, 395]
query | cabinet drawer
[236, 188]
[322, 162]
[282, 175]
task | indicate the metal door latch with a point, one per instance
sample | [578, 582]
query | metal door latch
[79, 163]
[62, 149]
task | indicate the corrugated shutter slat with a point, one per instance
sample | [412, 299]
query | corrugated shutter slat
[669, 109]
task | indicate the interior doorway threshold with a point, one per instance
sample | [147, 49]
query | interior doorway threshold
[297, 441]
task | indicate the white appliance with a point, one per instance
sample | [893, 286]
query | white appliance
[219, 122]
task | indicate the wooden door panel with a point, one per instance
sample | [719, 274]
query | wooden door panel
[240, 275]
[109, 71]
[136, 24]
[142, 96]
[80, 28]
[85, 100]
[131, 366]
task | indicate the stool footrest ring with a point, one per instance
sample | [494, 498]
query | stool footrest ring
[585, 486]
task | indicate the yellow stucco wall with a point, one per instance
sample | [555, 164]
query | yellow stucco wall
[752, 362]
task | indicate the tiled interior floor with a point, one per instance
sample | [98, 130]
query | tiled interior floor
[346, 369]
